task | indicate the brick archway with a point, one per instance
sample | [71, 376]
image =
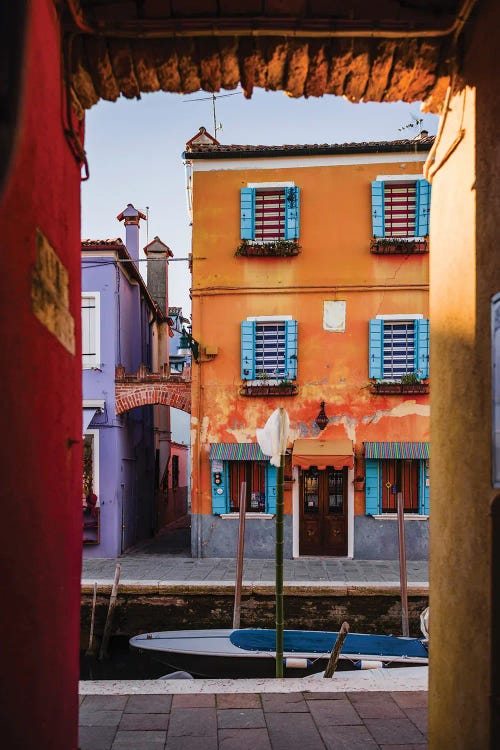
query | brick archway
[145, 389]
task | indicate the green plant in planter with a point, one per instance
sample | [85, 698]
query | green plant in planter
[263, 375]
[410, 378]
[279, 248]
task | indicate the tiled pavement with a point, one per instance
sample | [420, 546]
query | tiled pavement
[165, 569]
[255, 721]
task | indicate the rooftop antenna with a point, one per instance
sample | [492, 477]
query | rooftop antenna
[147, 225]
[417, 123]
[213, 97]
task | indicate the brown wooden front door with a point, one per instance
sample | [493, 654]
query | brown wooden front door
[323, 512]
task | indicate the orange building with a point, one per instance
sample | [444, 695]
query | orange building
[310, 291]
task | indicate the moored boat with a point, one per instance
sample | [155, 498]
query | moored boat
[249, 652]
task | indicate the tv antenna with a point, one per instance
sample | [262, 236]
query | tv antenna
[213, 97]
[417, 123]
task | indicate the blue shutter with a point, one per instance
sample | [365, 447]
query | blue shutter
[271, 487]
[248, 350]
[292, 213]
[291, 349]
[376, 348]
[378, 208]
[422, 347]
[372, 486]
[422, 208]
[247, 213]
[424, 489]
[220, 500]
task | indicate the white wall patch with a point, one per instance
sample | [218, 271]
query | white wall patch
[334, 316]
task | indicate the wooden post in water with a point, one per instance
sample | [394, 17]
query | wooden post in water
[279, 567]
[239, 561]
[90, 650]
[402, 566]
[109, 616]
[334, 656]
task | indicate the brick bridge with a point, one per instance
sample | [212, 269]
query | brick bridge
[146, 387]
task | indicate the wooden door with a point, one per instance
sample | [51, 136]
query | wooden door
[323, 512]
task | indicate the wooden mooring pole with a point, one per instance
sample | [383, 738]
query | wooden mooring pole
[109, 616]
[90, 649]
[334, 656]
[239, 561]
[279, 568]
[402, 566]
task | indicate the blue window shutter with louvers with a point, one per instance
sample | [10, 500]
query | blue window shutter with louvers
[424, 488]
[378, 208]
[376, 348]
[372, 486]
[291, 349]
[422, 347]
[247, 213]
[248, 350]
[292, 213]
[220, 493]
[271, 487]
[422, 208]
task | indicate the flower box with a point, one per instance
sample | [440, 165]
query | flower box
[395, 389]
[359, 485]
[387, 246]
[280, 389]
[277, 249]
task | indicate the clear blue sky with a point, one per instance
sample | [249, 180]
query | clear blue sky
[134, 150]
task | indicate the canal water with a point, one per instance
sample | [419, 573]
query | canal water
[123, 663]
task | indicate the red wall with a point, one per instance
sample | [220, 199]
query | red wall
[40, 541]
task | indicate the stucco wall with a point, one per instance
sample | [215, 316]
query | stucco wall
[465, 273]
[41, 418]
[219, 536]
[377, 539]
[335, 264]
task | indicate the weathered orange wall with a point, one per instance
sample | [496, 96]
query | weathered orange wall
[41, 422]
[335, 264]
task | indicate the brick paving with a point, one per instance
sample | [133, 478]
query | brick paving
[255, 721]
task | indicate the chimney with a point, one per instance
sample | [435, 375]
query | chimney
[132, 218]
[424, 133]
[158, 254]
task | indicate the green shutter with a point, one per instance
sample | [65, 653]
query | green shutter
[291, 349]
[422, 208]
[378, 229]
[424, 489]
[292, 213]
[248, 350]
[376, 348]
[247, 213]
[422, 348]
[271, 485]
[372, 486]
[220, 500]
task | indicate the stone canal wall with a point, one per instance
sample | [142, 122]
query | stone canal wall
[152, 607]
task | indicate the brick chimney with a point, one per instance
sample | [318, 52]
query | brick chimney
[132, 217]
[158, 254]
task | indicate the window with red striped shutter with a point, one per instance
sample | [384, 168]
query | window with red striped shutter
[269, 214]
[399, 209]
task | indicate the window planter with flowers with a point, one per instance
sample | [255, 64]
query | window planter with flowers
[267, 386]
[274, 249]
[396, 246]
[408, 384]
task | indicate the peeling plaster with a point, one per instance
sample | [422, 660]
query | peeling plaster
[406, 409]
[204, 429]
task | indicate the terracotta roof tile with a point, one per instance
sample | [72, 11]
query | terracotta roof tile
[212, 151]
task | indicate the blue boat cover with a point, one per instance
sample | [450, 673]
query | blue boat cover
[322, 642]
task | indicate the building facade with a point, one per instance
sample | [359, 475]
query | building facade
[121, 325]
[310, 291]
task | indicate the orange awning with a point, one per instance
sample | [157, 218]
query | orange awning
[323, 453]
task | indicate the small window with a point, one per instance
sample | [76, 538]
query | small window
[400, 209]
[399, 348]
[175, 471]
[268, 349]
[269, 213]
[91, 355]
[254, 474]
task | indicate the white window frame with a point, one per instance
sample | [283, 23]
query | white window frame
[268, 319]
[95, 463]
[401, 178]
[95, 361]
[399, 319]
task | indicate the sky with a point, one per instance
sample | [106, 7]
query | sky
[134, 149]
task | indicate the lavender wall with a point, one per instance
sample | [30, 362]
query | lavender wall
[126, 450]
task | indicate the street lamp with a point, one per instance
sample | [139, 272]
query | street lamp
[188, 346]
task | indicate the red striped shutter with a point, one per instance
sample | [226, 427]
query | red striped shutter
[269, 214]
[399, 209]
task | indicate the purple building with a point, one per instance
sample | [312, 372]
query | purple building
[120, 326]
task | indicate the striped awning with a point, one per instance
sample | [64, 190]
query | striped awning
[397, 450]
[236, 452]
